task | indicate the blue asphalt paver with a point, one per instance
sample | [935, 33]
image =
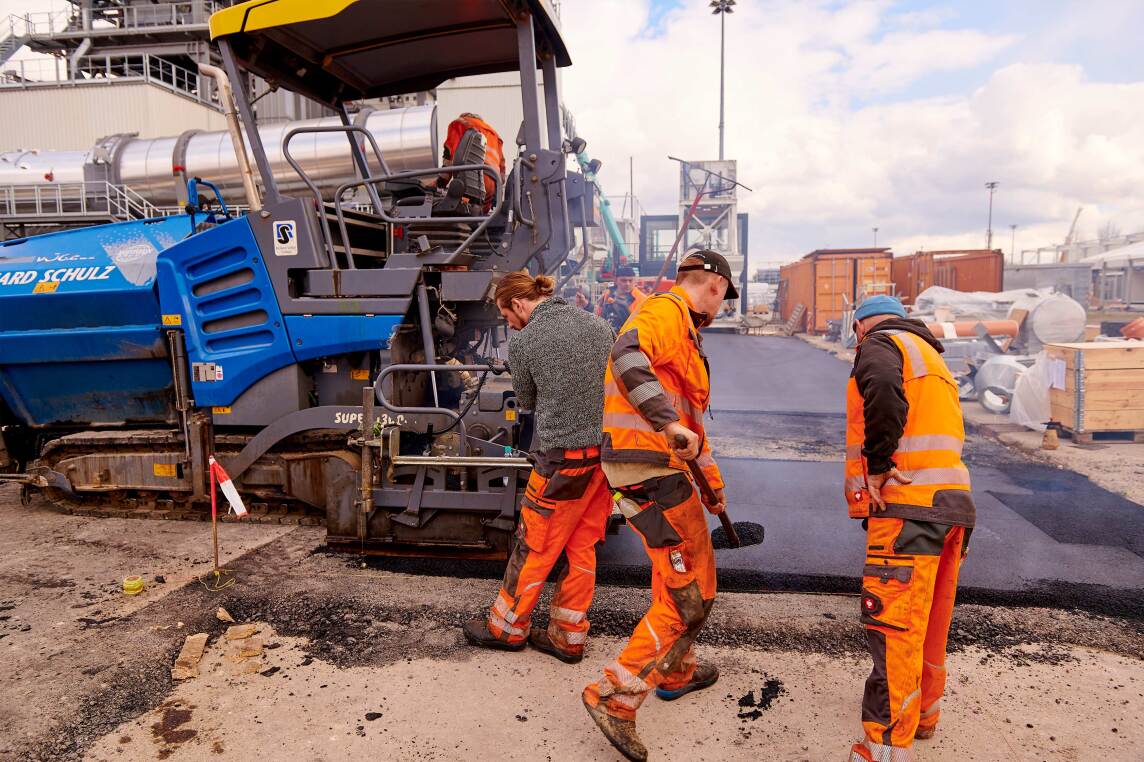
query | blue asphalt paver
[1036, 526]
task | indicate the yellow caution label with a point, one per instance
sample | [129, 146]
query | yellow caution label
[172, 320]
[359, 375]
[223, 410]
[46, 287]
[510, 414]
[169, 470]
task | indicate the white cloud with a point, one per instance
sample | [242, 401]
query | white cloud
[819, 119]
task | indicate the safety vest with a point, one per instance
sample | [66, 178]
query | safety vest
[929, 451]
[681, 368]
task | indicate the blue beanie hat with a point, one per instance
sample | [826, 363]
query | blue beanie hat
[879, 305]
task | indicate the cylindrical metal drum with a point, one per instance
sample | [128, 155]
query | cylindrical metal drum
[407, 138]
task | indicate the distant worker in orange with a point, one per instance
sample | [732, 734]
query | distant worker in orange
[557, 362]
[617, 303]
[905, 479]
[657, 388]
[494, 151]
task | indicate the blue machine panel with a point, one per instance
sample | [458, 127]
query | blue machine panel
[216, 288]
[80, 334]
[315, 336]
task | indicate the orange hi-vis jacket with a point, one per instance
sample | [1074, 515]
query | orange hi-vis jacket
[657, 374]
[929, 450]
[494, 147]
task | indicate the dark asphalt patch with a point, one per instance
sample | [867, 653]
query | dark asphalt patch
[749, 533]
[1109, 520]
[751, 708]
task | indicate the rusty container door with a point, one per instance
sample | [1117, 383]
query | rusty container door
[873, 275]
[972, 271]
[796, 286]
[833, 289]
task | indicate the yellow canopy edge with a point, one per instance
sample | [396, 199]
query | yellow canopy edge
[264, 14]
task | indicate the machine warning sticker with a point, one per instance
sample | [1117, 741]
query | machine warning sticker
[46, 287]
[510, 414]
[223, 410]
[172, 320]
[359, 375]
[169, 470]
[285, 241]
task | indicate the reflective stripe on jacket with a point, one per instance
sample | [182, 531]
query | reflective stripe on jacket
[929, 450]
[657, 374]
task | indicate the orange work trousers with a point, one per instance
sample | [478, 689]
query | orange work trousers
[565, 510]
[908, 587]
[673, 525]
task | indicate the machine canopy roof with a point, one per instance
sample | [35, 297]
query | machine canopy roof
[339, 50]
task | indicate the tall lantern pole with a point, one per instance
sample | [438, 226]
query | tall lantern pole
[721, 8]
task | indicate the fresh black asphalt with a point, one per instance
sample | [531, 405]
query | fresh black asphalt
[1042, 532]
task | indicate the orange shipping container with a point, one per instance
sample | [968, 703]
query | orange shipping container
[828, 281]
[963, 270]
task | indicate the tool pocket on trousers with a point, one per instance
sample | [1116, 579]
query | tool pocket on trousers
[657, 531]
[533, 529]
[887, 595]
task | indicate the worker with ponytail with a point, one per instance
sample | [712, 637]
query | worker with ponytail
[557, 358]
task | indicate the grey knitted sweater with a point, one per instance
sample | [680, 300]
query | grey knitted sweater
[558, 362]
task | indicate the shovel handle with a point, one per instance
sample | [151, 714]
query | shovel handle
[709, 494]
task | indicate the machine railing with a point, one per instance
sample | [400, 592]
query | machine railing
[457, 418]
[349, 130]
[111, 70]
[482, 220]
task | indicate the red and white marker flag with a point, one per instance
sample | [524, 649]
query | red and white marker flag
[219, 474]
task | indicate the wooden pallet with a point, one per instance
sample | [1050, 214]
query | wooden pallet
[1111, 436]
[795, 321]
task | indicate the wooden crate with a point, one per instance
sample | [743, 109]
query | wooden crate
[1104, 387]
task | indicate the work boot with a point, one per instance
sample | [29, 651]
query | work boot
[704, 676]
[621, 733]
[538, 637]
[477, 632]
[924, 734]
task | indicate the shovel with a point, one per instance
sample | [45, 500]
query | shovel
[709, 495]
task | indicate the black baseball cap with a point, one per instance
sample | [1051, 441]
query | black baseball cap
[713, 262]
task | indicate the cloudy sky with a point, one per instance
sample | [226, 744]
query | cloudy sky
[844, 116]
[848, 115]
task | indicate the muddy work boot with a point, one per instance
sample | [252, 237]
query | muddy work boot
[477, 632]
[621, 733]
[538, 637]
[925, 734]
[704, 676]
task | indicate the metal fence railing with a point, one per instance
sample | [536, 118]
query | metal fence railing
[79, 200]
[111, 70]
[142, 16]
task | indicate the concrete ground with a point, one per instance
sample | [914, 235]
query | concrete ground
[363, 661]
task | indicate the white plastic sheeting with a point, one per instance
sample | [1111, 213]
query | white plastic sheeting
[975, 305]
[1030, 405]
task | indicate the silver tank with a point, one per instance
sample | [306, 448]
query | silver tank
[407, 138]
